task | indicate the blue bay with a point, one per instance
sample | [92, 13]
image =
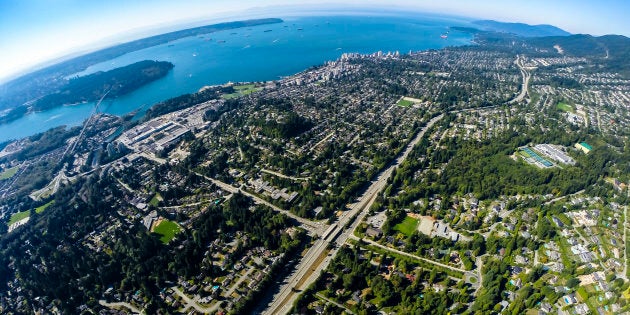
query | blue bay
[259, 53]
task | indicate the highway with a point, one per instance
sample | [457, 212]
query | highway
[71, 147]
[625, 240]
[316, 258]
[526, 77]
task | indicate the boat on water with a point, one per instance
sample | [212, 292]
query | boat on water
[445, 35]
[267, 31]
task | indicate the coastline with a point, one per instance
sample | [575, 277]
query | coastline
[317, 43]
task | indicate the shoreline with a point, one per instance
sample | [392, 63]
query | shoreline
[320, 57]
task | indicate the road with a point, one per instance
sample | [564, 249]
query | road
[321, 141]
[316, 259]
[284, 176]
[479, 263]
[313, 227]
[625, 239]
[71, 147]
[21, 168]
[394, 250]
[185, 205]
[191, 302]
[239, 281]
[52, 187]
[335, 303]
[585, 242]
[562, 197]
[118, 305]
[526, 77]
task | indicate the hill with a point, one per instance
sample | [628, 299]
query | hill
[610, 52]
[521, 29]
[613, 51]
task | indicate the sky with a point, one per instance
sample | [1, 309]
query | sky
[36, 32]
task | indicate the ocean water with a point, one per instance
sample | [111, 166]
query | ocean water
[259, 53]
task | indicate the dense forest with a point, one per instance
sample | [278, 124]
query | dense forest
[117, 82]
[110, 84]
[62, 269]
[290, 125]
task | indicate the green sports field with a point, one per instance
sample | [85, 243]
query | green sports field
[407, 226]
[404, 103]
[167, 229]
[18, 216]
[8, 173]
[565, 107]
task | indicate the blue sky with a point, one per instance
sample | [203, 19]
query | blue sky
[33, 32]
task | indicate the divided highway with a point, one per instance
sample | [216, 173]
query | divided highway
[317, 258]
[525, 72]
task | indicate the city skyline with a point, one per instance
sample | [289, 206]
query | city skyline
[37, 33]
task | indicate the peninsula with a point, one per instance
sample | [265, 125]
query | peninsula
[49, 79]
[92, 87]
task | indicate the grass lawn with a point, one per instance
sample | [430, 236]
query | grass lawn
[407, 226]
[24, 214]
[581, 292]
[9, 173]
[167, 229]
[18, 216]
[242, 90]
[565, 107]
[245, 87]
[156, 198]
[404, 103]
[41, 209]
[564, 219]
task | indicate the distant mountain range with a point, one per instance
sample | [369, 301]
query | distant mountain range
[521, 29]
[611, 51]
